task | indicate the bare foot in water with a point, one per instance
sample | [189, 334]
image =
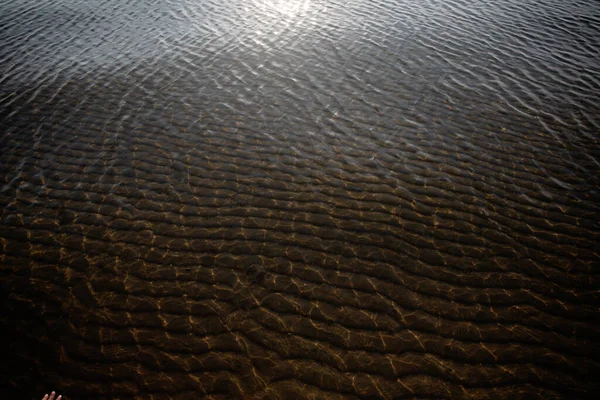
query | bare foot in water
[51, 397]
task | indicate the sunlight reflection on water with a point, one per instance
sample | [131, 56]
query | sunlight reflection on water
[287, 9]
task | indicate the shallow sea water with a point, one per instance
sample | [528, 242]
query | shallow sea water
[273, 199]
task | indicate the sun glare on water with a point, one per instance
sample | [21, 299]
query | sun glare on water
[285, 8]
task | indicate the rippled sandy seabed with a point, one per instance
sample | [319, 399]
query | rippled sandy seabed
[272, 199]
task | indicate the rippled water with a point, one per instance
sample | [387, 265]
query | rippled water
[300, 199]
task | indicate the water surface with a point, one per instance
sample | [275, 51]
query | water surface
[300, 199]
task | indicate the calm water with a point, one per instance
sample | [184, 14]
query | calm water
[273, 199]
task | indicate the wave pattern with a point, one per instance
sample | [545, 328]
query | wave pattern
[301, 199]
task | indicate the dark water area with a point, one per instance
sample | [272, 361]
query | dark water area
[273, 199]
